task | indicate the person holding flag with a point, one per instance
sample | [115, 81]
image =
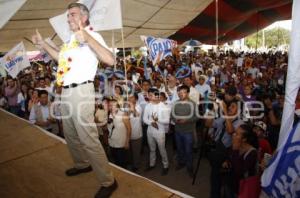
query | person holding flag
[78, 60]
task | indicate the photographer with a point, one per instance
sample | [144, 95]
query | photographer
[221, 130]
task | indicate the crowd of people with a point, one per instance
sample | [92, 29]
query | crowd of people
[229, 104]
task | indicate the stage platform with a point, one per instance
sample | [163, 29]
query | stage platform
[33, 162]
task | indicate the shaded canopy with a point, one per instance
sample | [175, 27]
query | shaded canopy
[159, 18]
[179, 19]
[237, 19]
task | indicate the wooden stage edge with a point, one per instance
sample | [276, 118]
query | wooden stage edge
[33, 161]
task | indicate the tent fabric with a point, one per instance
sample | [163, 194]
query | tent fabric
[180, 20]
[236, 19]
[158, 18]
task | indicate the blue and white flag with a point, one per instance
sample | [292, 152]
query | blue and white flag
[282, 176]
[15, 60]
[158, 48]
[293, 77]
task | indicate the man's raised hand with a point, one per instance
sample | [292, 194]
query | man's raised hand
[81, 34]
[37, 39]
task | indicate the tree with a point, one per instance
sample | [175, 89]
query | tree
[273, 38]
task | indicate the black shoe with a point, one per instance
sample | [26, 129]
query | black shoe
[164, 171]
[105, 192]
[149, 168]
[179, 167]
[76, 171]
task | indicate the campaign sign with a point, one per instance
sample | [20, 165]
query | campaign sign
[158, 48]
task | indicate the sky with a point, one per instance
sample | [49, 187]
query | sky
[287, 24]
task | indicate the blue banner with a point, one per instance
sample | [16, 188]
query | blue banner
[282, 176]
[158, 48]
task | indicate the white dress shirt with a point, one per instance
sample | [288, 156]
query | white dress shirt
[83, 61]
[161, 111]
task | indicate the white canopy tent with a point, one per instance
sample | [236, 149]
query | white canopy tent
[159, 18]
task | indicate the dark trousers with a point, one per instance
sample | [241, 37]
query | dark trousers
[215, 180]
[144, 140]
[14, 110]
[220, 179]
[119, 156]
[184, 143]
[170, 136]
[135, 147]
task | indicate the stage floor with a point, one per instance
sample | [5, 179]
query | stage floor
[32, 164]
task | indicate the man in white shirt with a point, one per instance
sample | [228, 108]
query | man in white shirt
[43, 86]
[40, 113]
[156, 115]
[78, 60]
[171, 89]
[143, 100]
[194, 94]
[136, 132]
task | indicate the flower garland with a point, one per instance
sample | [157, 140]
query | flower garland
[63, 62]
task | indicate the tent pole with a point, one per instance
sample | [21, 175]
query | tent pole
[256, 44]
[113, 47]
[124, 62]
[217, 24]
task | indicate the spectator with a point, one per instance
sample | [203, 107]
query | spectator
[40, 112]
[264, 146]
[3, 101]
[184, 116]
[119, 135]
[11, 93]
[244, 158]
[155, 116]
[136, 134]
[33, 100]
[22, 97]
[203, 88]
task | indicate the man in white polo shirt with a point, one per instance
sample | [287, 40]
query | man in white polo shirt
[78, 60]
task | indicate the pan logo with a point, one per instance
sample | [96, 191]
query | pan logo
[13, 59]
[159, 45]
[284, 180]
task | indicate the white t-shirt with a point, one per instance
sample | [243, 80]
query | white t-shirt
[253, 71]
[136, 124]
[118, 135]
[21, 101]
[202, 89]
[3, 102]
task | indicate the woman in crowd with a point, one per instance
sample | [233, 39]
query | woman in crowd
[119, 134]
[34, 99]
[22, 97]
[244, 157]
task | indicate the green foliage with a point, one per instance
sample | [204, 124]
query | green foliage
[273, 38]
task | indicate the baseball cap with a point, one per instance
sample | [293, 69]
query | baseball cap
[261, 125]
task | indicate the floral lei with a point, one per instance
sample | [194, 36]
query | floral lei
[63, 62]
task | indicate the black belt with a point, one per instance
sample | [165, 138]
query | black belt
[75, 84]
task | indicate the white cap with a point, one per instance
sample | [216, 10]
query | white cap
[261, 125]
